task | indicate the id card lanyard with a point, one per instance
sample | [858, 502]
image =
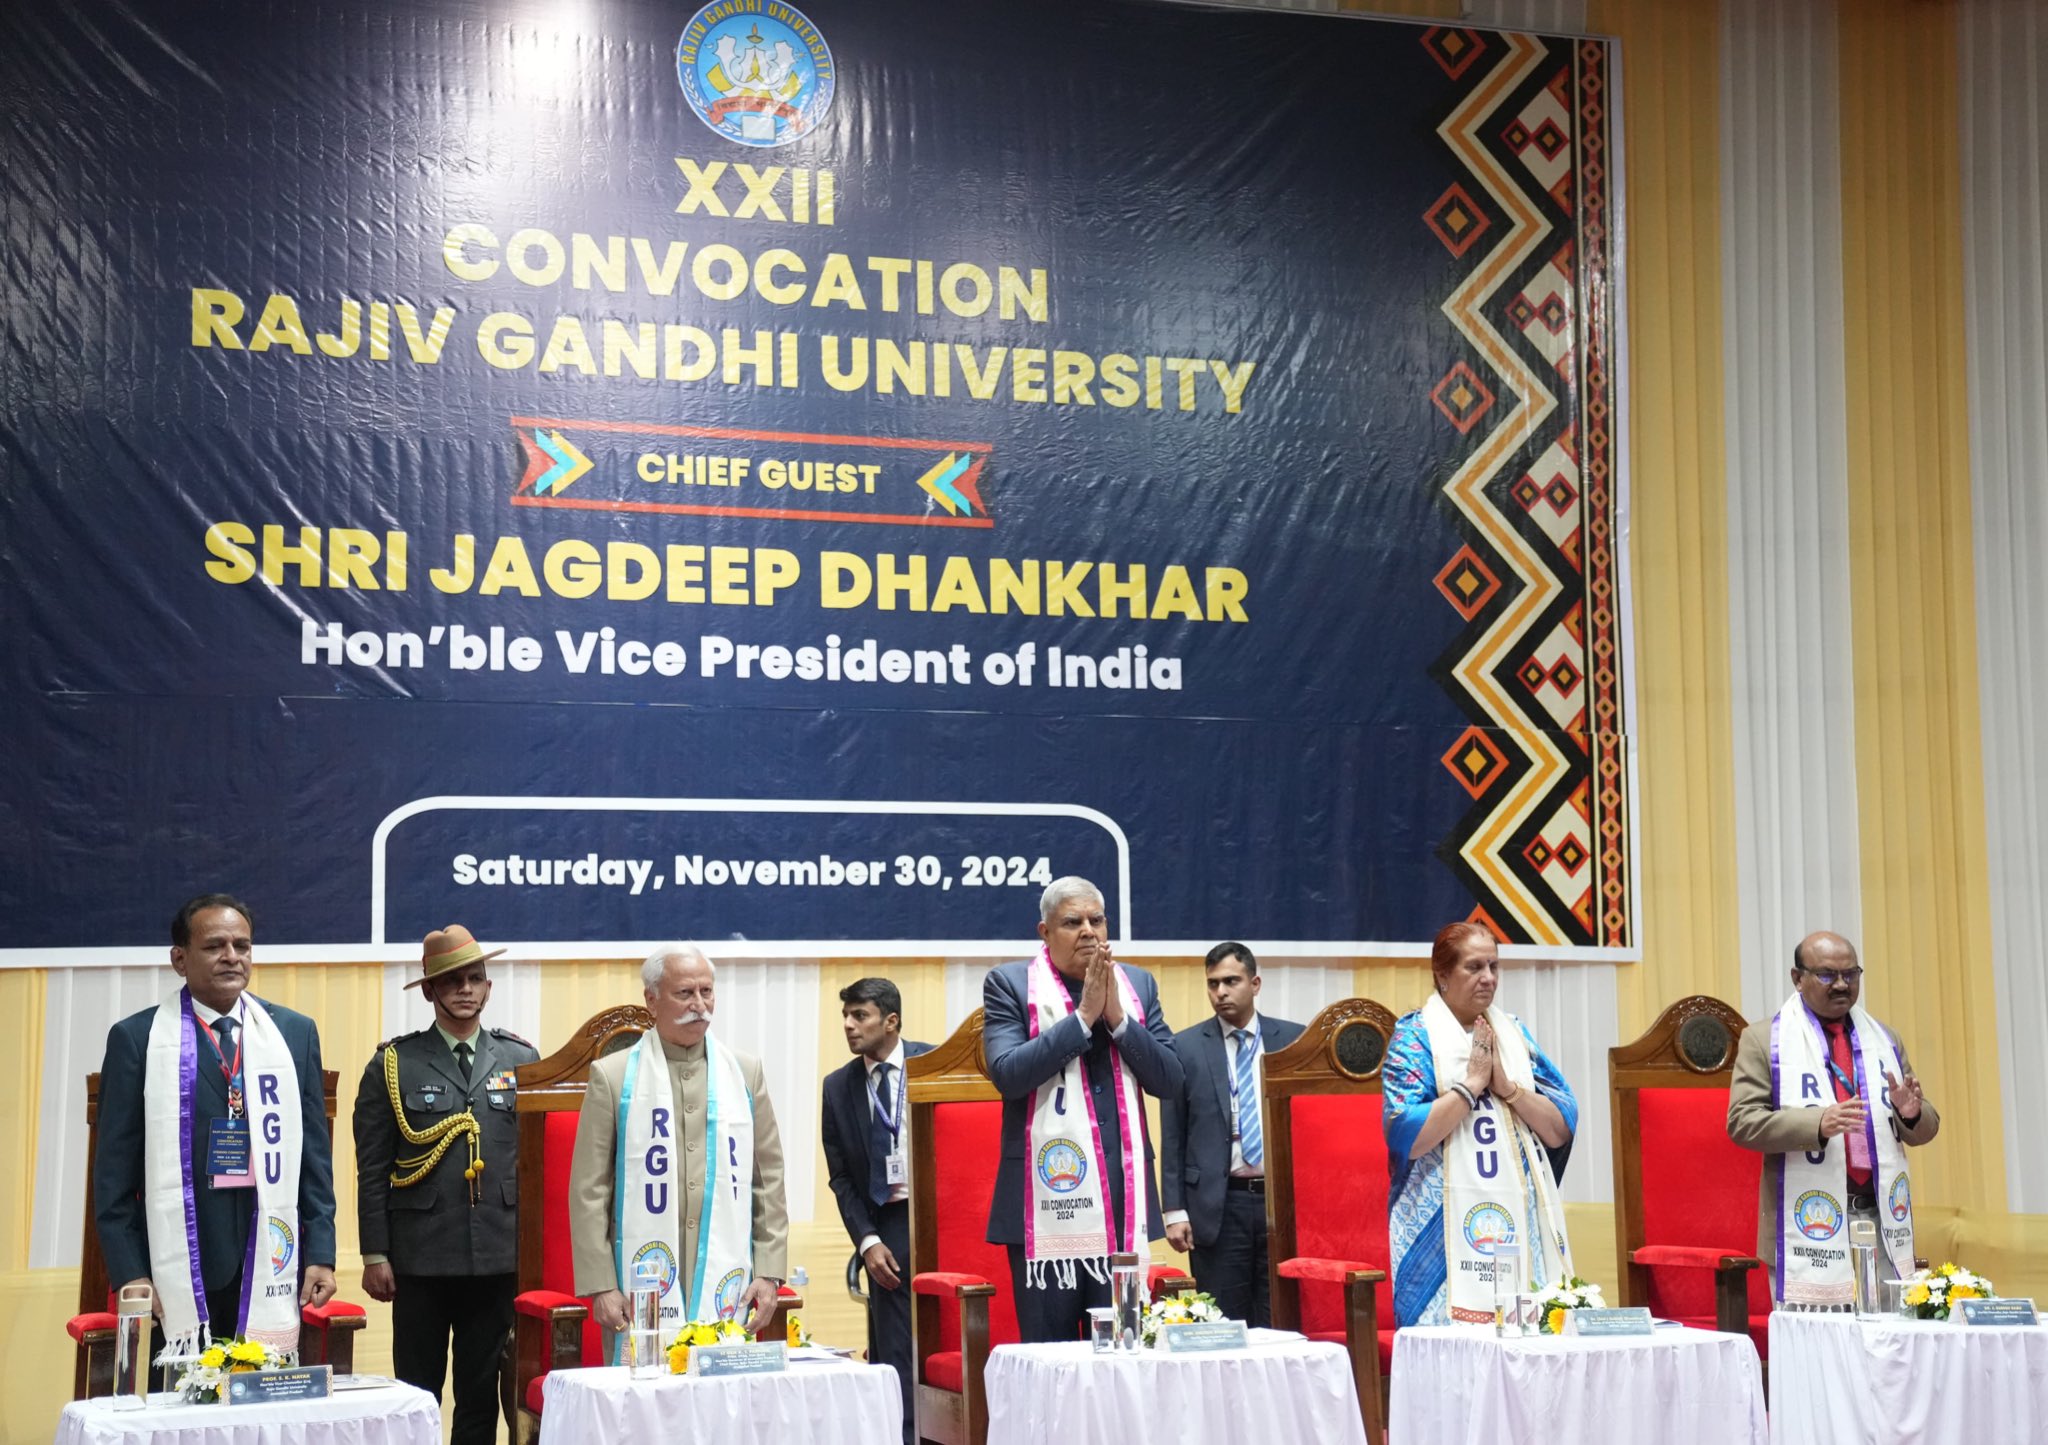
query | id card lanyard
[892, 1120]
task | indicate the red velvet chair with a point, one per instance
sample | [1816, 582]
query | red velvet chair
[961, 1283]
[1326, 1193]
[328, 1332]
[1685, 1197]
[551, 1326]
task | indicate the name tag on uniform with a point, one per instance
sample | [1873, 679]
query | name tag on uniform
[228, 1161]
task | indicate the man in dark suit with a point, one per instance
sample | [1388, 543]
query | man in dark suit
[441, 1239]
[212, 949]
[1097, 1031]
[1213, 1143]
[867, 1158]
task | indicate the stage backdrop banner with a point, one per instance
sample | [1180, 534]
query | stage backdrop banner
[802, 478]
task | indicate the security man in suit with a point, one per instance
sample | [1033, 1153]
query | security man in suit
[1212, 1139]
[867, 1158]
[437, 1184]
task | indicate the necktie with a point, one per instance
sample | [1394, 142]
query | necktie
[880, 1138]
[465, 1055]
[224, 1033]
[1844, 1075]
[1251, 1140]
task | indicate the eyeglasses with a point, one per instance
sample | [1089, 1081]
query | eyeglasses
[1829, 977]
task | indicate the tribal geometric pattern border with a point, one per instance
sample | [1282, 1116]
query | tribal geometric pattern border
[1538, 668]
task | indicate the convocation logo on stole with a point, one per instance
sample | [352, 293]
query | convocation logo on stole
[757, 77]
[1817, 1214]
[658, 1254]
[1488, 1227]
[283, 1244]
[1900, 1200]
[1062, 1166]
[728, 1293]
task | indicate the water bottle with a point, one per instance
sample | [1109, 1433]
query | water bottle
[1863, 1267]
[131, 1348]
[1507, 1289]
[646, 1355]
[1126, 1297]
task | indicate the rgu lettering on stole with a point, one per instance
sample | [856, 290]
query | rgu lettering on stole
[271, 1126]
[1487, 1133]
[1809, 1092]
[655, 1165]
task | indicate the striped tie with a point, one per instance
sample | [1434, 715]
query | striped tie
[1251, 1139]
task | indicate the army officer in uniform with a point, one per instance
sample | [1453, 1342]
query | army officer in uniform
[437, 1184]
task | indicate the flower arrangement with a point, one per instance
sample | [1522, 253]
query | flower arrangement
[205, 1379]
[1189, 1307]
[1929, 1294]
[1554, 1302]
[702, 1332]
[795, 1333]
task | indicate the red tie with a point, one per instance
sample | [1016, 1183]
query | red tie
[1845, 1068]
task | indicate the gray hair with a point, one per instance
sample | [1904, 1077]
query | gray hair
[657, 963]
[1060, 890]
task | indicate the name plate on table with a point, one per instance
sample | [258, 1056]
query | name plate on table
[1602, 1324]
[1201, 1338]
[1998, 1311]
[271, 1387]
[759, 1357]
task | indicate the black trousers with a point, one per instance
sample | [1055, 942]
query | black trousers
[477, 1310]
[1052, 1314]
[1234, 1268]
[889, 1311]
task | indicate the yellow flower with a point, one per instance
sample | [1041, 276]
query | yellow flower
[1948, 1268]
[249, 1352]
[1963, 1291]
[679, 1359]
[1556, 1321]
[1917, 1295]
[213, 1357]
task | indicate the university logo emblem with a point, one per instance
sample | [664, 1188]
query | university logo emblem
[1817, 1215]
[1061, 1167]
[1900, 1200]
[757, 77]
[658, 1254]
[282, 1245]
[728, 1293]
[1487, 1227]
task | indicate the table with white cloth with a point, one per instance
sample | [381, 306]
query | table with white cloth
[390, 1414]
[824, 1401]
[1837, 1378]
[1280, 1387]
[1462, 1385]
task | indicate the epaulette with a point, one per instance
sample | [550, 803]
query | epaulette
[508, 1034]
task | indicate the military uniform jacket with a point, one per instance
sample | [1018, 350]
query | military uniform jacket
[432, 1228]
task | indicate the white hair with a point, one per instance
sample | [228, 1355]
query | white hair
[657, 963]
[1060, 890]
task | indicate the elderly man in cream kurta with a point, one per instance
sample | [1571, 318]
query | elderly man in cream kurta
[679, 986]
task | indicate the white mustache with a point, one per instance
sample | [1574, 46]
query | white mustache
[694, 1016]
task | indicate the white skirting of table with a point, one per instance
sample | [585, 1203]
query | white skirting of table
[836, 1402]
[392, 1414]
[1289, 1390]
[1459, 1385]
[1835, 1378]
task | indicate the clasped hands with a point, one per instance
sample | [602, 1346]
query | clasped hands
[1483, 1069]
[1100, 997]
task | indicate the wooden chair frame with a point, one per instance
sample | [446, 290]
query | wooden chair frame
[952, 1073]
[1681, 1050]
[1313, 1065]
[330, 1341]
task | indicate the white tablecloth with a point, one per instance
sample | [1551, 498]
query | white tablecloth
[392, 1414]
[1459, 1385]
[825, 1402]
[1282, 1390]
[1835, 1378]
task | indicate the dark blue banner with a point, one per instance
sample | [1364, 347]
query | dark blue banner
[807, 475]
